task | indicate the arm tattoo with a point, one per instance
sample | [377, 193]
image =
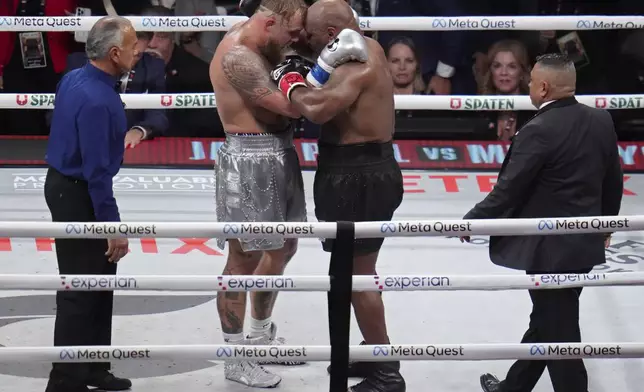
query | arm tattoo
[247, 74]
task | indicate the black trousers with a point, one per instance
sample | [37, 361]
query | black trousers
[82, 318]
[554, 319]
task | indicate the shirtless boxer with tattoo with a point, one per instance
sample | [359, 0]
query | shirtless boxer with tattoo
[258, 176]
[350, 92]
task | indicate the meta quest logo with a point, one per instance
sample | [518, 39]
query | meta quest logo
[34, 307]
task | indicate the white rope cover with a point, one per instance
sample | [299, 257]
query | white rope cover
[314, 283]
[402, 102]
[224, 23]
[435, 228]
[421, 351]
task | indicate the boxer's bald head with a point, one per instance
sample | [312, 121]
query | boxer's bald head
[553, 77]
[325, 19]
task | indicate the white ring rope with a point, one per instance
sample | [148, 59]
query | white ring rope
[314, 283]
[546, 226]
[420, 228]
[373, 353]
[402, 102]
[415, 23]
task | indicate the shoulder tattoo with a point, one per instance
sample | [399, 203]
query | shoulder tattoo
[245, 71]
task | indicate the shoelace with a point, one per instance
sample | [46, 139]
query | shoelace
[256, 371]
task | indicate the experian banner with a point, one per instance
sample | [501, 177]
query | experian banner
[202, 152]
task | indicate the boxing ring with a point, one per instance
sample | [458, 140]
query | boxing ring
[337, 283]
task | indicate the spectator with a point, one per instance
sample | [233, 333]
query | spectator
[506, 72]
[446, 59]
[188, 74]
[32, 62]
[147, 76]
[200, 44]
[404, 66]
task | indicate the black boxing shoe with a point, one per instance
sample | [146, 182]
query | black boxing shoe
[64, 382]
[489, 383]
[106, 381]
[54, 385]
[384, 377]
[357, 369]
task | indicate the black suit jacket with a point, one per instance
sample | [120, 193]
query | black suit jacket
[187, 74]
[563, 163]
[148, 77]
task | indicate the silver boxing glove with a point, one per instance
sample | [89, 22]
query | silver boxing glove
[347, 46]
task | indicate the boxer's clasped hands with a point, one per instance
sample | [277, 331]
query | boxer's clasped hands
[290, 74]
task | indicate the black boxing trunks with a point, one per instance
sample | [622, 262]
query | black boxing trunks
[358, 183]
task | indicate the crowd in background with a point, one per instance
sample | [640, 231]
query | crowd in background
[421, 62]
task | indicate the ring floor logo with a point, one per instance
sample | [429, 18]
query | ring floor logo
[546, 224]
[380, 351]
[537, 350]
[231, 229]
[388, 228]
[19, 309]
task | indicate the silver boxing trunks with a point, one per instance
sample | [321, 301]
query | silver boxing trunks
[259, 179]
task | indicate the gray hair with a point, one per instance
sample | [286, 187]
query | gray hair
[104, 35]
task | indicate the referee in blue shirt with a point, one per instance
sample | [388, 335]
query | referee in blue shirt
[85, 151]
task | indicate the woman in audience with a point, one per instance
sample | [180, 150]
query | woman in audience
[506, 72]
[404, 66]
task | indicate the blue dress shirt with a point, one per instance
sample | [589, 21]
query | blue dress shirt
[87, 136]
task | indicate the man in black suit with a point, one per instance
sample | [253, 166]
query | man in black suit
[146, 77]
[563, 163]
[185, 74]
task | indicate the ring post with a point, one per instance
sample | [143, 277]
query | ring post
[339, 299]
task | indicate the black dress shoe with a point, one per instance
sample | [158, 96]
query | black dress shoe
[106, 381]
[489, 383]
[54, 385]
[356, 369]
[384, 377]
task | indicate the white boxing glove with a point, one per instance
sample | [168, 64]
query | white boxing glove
[349, 45]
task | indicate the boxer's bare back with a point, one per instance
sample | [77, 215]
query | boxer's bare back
[371, 117]
[247, 100]
[356, 105]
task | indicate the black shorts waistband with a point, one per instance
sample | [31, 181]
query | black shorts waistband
[360, 154]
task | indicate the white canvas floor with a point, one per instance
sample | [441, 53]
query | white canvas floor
[26, 318]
